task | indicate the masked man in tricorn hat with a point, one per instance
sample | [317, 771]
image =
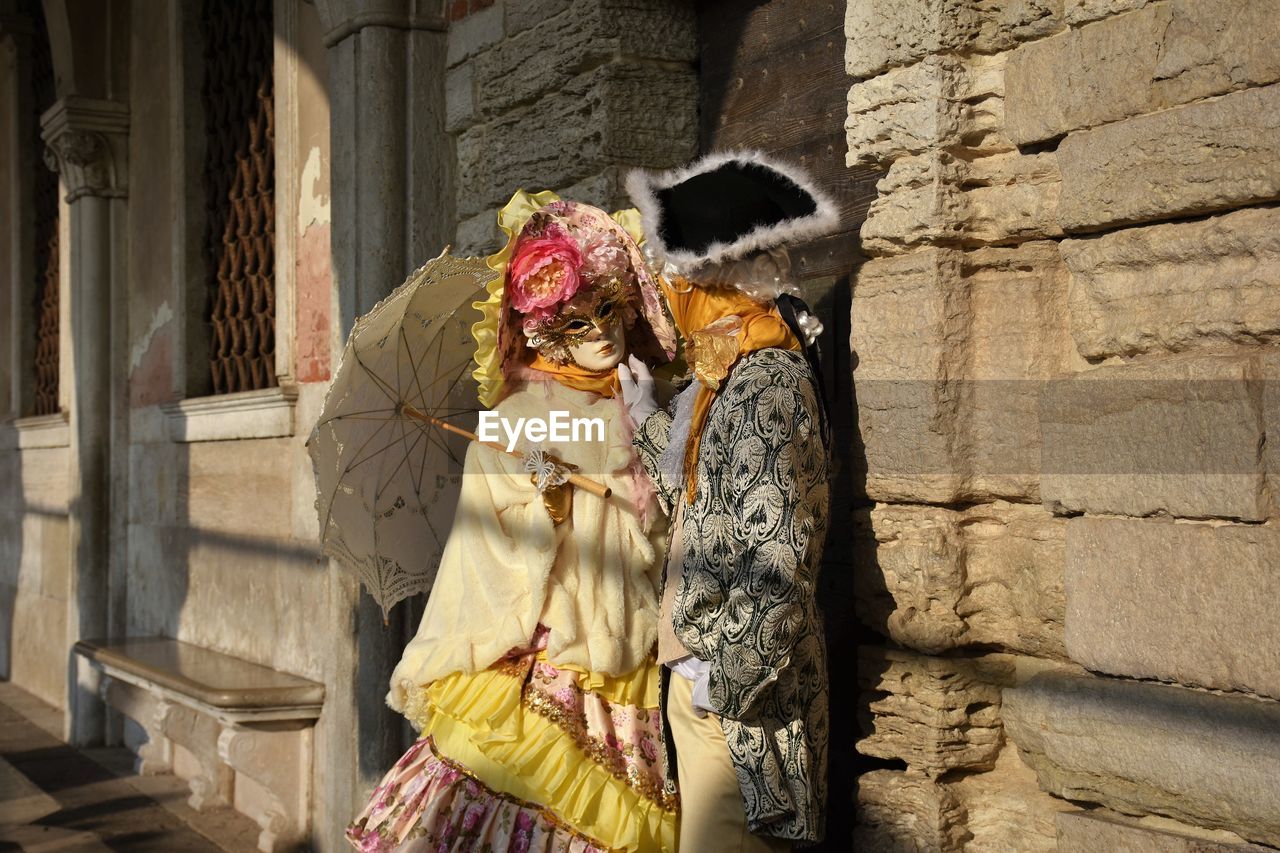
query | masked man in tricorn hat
[741, 465]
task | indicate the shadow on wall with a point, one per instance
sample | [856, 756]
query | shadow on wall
[34, 567]
[11, 540]
[844, 557]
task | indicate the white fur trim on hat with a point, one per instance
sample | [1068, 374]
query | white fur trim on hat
[643, 187]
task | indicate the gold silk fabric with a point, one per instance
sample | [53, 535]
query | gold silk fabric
[719, 325]
[604, 382]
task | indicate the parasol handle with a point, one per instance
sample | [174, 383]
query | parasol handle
[600, 490]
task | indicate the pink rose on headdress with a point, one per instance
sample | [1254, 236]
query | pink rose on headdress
[606, 256]
[544, 270]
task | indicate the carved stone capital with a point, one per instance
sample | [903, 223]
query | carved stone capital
[84, 160]
[86, 141]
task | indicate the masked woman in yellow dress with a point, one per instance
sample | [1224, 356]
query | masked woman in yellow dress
[532, 678]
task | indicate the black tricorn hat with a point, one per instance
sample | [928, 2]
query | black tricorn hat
[727, 206]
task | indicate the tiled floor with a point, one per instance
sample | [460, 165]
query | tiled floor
[56, 798]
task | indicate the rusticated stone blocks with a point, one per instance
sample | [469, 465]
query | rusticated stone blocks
[886, 33]
[989, 575]
[527, 14]
[515, 65]
[521, 69]
[907, 322]
[1164, 55]
[936, 714]
[907, 812]
[1185, 435]
[560, 96]
[1005, 810]
[940, 102]
[1128, 112]
[1201, 158]
[1144, 748]
[940, 199]
[951, 347]
[994, 812]
[480, 235]
[1077, 12]
[474, 33]
[1089, 832]
[460, 97]
[1178, 285]
[616, 113]
[1192, 603]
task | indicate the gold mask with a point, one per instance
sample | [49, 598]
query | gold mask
[600, 307]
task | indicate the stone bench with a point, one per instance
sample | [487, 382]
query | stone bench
[239, 733]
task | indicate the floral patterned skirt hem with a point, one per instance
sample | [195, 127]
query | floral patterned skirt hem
[430, 803]
[527, 756]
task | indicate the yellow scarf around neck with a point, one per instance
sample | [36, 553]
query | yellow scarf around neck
[604, 382]
[701, 314]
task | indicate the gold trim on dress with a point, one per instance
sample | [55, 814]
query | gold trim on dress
[596, 750]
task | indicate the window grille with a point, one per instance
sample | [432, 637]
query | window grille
[239, 180]
[45, 213]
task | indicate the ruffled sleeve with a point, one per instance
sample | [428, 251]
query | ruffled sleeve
[492, 579]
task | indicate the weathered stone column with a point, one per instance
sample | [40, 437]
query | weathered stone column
[87, 145]
[392, 208]
[392, 160]
[956, 324]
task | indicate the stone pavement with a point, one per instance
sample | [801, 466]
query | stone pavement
[56, 799]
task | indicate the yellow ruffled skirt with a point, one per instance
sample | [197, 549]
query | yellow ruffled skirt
[528, 756]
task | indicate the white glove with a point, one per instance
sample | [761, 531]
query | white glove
[637, 389]
[701, 696]
[699, 672]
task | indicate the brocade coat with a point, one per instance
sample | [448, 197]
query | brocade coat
[753, 540]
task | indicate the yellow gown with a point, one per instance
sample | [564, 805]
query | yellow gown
[532, 679]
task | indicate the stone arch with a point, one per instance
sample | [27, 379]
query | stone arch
[89, 41]
[341, 18]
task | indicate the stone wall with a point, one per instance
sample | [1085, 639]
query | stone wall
[34, 549]
[566, 96]
[34, 566]
[1066, 359]
[222, 536]
[212, 502]
[221, 531]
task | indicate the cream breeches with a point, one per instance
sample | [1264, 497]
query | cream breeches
[712, 819]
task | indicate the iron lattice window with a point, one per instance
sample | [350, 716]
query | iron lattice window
[45, 214]
[239, 180]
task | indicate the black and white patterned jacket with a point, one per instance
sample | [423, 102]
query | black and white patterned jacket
[753, 540]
